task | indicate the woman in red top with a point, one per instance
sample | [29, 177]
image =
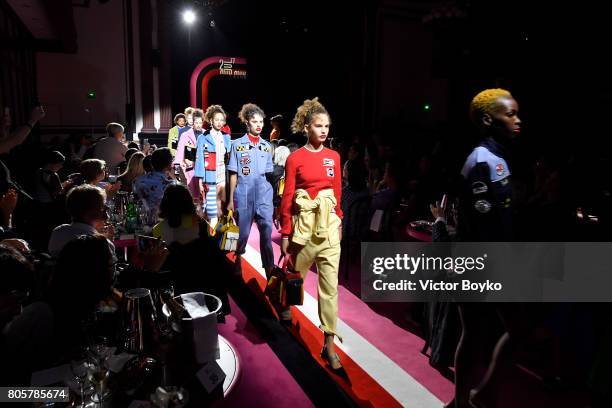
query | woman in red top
[311, 215]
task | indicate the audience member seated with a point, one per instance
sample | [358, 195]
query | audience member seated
[111, 149]
[94, 172]
[82, 279]
[48, 211]
[134, 170]
[354, 175]
[387, 197]
[150, 187]
[25, 328]
[355, 152]
[74, 149]
[200, 266]
[180, 223]
[355, 204]
[49, 187]
[128, 155]
[147, 165]
[85, 204]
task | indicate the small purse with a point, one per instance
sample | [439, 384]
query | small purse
[286, 285]
[228, 233]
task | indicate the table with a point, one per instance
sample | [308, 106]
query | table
[230, 364]
[228, 361]
[125, 241]
[425, 235]
[418, 233]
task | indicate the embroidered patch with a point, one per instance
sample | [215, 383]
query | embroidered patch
[242, 148]
[265, 148]
[499, 169]
[328, 162]
[245, 160]
[330, 172]
[243, 154]
[482, 206]
[211, 161]
[246, 170]
[479, 187]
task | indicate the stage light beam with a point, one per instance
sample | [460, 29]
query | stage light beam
[189, 17]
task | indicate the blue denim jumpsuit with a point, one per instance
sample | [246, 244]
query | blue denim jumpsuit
[253, 194]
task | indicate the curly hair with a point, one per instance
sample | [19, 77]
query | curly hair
[211, 111]
[249, 110]
[189, 110]
[484, 102]
[305, 113]
[178, 116]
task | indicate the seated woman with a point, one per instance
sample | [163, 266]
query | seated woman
[134, 169]
[185, 234]
[180, 221]
[49, 186]
[94, 171]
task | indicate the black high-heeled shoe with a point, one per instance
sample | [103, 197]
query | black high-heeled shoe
[330, 360]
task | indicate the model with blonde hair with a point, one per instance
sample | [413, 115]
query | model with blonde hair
[311, 223]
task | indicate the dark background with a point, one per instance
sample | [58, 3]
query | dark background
[550, 56]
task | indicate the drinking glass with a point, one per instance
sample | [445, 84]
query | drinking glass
[97, 374]
[78, 368]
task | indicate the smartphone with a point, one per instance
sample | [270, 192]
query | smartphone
[112, 178]
[177, 169]
[444, 201]
[145, 242]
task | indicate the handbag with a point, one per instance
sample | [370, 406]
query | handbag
[286, 285]
[228, 232]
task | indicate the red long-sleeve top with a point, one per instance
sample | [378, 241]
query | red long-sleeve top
[313, 172]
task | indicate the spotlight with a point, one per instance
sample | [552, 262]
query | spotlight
[212, 23]
[189, 16]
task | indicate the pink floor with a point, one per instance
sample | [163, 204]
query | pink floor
[403, 347]
[264, 381]
[395, 342]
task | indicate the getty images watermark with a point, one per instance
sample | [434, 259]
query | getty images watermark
[420, 264]
[486, 272]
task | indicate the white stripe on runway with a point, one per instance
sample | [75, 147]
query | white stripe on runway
[398, 383]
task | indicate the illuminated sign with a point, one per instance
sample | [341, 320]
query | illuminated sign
[227, 68]
[232, 67]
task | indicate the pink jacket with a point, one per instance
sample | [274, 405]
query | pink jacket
[187, 139]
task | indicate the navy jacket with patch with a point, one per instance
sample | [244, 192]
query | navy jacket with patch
[485, 207]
